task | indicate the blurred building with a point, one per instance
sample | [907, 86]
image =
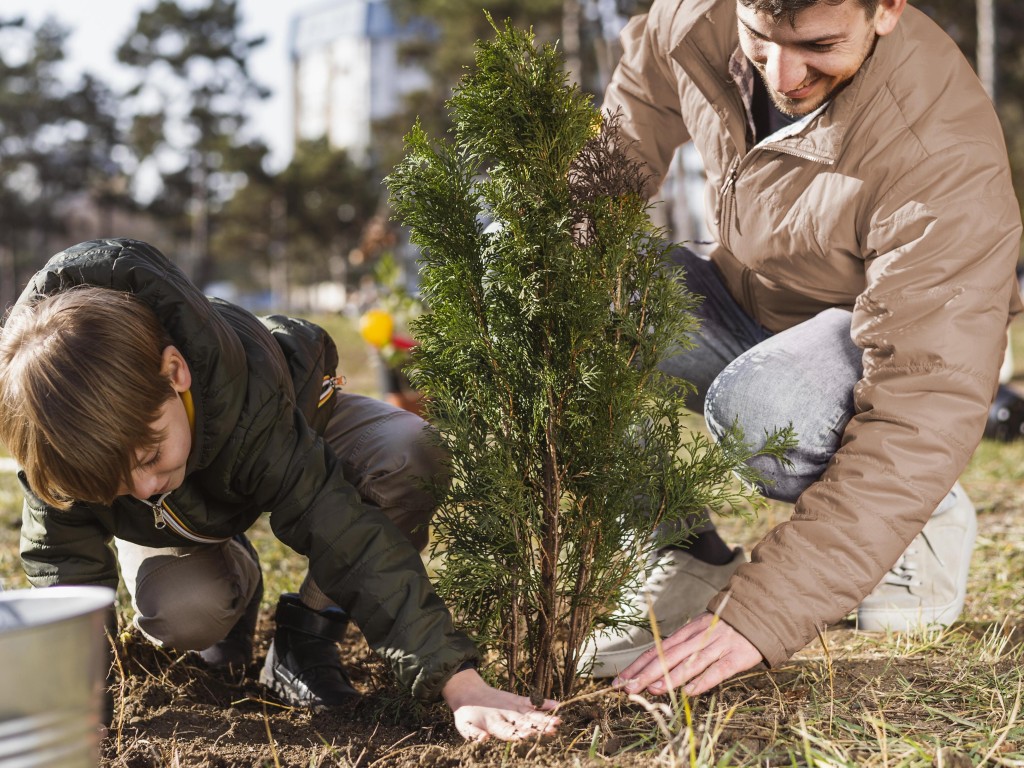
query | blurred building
[347, 71]
[679, 205]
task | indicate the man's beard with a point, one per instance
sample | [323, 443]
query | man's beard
[799, 107]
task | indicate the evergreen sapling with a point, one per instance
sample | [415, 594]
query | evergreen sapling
[551, 307]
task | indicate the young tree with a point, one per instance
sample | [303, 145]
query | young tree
[539, 362]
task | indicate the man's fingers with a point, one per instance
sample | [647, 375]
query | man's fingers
[728, 665]
[684, 663]
[688, 632]
[684, 667]
[648, 665]
[709, 678]
[699, 656]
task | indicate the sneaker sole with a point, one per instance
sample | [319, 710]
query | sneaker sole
[610, 663]
[895, 620]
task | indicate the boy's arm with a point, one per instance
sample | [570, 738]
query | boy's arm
[64, 546]
[356, 554]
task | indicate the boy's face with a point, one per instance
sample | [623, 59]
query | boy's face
[162, 469]
[807, 62]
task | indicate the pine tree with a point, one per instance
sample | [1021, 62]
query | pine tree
[539, 361]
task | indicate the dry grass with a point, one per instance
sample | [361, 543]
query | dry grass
[945, 698]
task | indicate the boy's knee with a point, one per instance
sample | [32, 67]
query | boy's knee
[182, 608]
[416, 468]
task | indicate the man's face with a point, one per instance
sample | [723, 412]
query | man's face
[806, 62]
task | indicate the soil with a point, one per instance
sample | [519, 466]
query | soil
[172, 711]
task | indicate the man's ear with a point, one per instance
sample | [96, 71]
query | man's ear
[176, 370]
[887, 14]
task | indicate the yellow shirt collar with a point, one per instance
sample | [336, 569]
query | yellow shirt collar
[190, 410]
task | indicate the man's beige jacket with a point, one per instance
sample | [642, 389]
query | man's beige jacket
[895, 202]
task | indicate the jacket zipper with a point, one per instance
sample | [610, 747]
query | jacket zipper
[158, 520]
[164, 517]
[796, 153]
[728, 202]
[729, 187]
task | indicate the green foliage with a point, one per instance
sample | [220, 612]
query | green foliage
[306, 218]
[539, 360]
[446, 55]
[189, 112]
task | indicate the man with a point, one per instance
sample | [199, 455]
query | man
[859, 289]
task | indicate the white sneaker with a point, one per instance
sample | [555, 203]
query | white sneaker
[928, 584]
[679, 587]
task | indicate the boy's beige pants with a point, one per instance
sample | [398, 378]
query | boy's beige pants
[189, 597]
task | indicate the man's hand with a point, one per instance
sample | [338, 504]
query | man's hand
[699, 655]
[482, 711]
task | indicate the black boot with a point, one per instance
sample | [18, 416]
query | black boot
[302, 666]
[235, 650]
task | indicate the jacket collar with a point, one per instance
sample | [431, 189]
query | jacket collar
[703, 41]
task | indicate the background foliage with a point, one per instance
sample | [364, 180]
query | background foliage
[172, 156]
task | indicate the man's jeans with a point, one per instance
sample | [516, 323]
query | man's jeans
[758, 381]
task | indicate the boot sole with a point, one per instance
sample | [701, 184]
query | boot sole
[283, 690]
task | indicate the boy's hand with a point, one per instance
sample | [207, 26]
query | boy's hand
[482, 711]
[699, 655]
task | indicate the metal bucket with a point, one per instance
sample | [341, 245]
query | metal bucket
[53, 663]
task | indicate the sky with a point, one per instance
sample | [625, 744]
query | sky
[96, 29]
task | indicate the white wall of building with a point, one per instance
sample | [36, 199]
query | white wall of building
[347, 72]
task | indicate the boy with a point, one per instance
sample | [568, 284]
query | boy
[142, 411]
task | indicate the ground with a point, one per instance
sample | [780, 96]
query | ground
[941, 698]
[937, 698]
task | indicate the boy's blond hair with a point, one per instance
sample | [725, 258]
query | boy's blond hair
[80, 387]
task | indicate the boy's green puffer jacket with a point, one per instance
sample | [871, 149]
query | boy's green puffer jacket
[256, 386]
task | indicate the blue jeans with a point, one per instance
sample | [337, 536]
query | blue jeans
[758, 381]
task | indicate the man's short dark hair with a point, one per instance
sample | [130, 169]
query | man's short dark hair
[789, 9]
